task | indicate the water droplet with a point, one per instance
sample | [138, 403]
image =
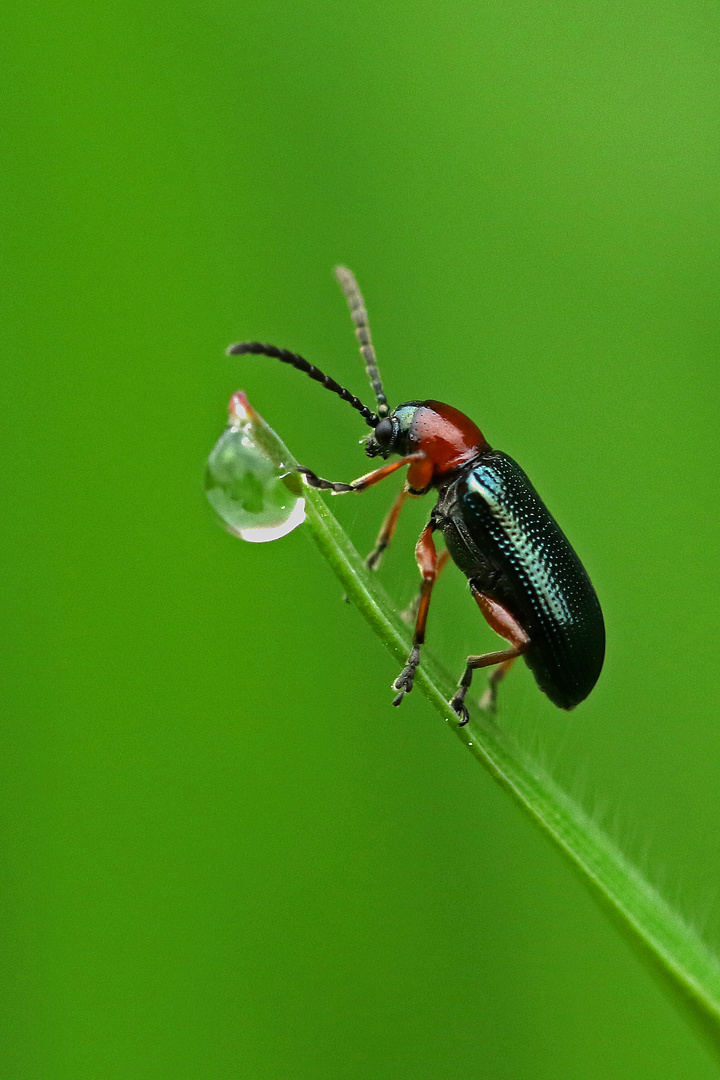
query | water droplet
[256, 496]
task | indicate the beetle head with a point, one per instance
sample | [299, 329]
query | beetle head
[392, 434]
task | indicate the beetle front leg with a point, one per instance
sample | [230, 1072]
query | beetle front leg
[427, 560]
[504, 624]
[362, 482]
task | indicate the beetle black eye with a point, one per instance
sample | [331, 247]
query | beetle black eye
[384, 432]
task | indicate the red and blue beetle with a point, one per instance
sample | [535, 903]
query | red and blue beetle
[523, 573]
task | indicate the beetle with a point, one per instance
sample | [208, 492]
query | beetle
[522, 571]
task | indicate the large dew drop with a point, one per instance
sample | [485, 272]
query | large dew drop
[255, 496]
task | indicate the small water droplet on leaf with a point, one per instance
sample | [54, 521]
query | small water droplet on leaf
[255, 494]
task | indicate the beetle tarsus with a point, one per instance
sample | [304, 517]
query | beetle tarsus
[406, 678]
[315, 481]
[458, 706]
[463, 714]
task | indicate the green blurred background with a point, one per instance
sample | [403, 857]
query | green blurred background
[223, 854]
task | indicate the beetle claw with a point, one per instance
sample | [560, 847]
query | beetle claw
[460, 710]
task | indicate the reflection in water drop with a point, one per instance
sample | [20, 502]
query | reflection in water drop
[256, 497]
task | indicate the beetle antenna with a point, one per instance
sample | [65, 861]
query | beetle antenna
[296, 361]
[359, 315]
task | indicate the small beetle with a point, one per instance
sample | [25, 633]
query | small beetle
[525, 577]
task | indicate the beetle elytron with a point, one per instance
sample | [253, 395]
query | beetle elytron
[524, 576]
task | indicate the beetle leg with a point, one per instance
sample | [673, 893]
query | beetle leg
[362, 482]
[427, 560]
[504, 624]
[410, 613]
[387, 531]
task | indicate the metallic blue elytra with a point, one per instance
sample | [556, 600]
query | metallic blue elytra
[505, 540]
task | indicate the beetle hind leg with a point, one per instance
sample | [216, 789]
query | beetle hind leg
[503, 658]
[503, 623]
